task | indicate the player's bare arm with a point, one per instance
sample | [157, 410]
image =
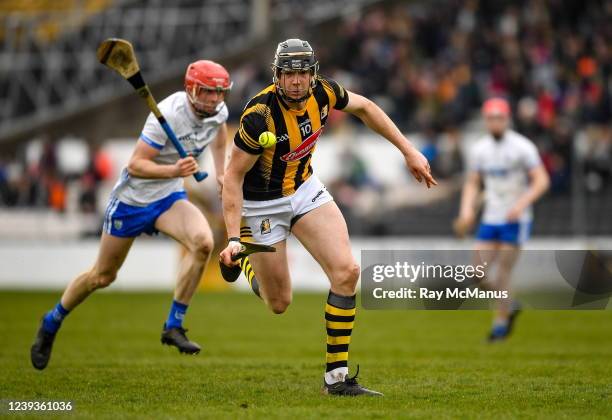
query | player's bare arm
[538, 185]
[141, 164]
[467, 209]
[240, 163]
[218, 154]
[376, 119]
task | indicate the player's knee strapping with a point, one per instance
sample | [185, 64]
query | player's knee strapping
[339, 321]
[249, 273]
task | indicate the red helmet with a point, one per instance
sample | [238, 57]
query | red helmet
[496, 106]
[205, 74]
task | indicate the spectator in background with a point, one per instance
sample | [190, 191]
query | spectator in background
[99, 169]
[449, 162]
[430, 63]
[6, 190]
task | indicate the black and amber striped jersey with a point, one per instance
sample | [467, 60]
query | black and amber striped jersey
[282, 168]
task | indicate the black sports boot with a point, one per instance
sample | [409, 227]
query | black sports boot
[176, 337]
[349, 387]
[40, 352]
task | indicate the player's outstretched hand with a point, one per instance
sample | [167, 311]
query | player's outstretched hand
[419, 167]
[186, 166]
[232, 248]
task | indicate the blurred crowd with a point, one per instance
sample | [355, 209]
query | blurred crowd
[430, 64]
[48, 173]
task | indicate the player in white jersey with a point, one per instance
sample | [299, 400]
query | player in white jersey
[509, 166]
[149, 198]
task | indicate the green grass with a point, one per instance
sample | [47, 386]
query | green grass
[109, 362]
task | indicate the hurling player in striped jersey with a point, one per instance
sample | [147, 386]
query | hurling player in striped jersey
[272, 192]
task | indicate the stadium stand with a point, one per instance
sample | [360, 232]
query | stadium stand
[428, 64]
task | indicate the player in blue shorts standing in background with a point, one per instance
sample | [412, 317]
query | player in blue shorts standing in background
[509, 166]
[149, 198]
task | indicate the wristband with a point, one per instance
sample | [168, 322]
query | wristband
[233, 239]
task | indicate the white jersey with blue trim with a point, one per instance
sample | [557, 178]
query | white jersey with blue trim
[504, 166]
[194, 134]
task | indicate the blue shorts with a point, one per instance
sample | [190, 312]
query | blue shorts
[127, 221]
[511, 233]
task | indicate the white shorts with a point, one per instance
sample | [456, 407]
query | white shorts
[269, 222]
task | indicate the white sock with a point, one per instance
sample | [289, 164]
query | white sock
[336, 375]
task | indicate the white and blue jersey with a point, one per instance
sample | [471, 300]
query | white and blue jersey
[136, 203]
[504, 167]
[193, 133]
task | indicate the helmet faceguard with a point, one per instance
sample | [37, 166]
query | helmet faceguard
[209, 76]
[294, 55]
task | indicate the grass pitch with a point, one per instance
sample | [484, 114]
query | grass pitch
[109, 361]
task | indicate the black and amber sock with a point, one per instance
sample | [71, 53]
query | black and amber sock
[339, 321]
[249, 273]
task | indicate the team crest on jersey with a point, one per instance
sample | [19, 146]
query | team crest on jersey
[118, 224]
[265, 227]
[324, 112]
[304, 148]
